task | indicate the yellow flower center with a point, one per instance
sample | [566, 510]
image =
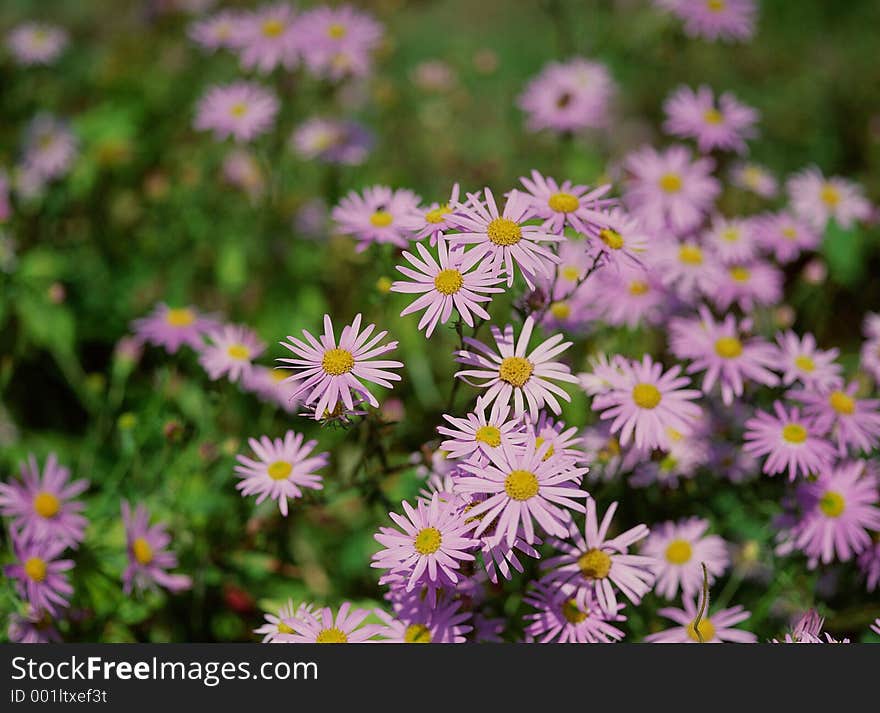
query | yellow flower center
[830, 195]
[539, 441]
[646, 395]
[279, 470]
[563, 203]
[337, 361]
[805, 363]
[239, 109]
[46, 504]
[594, 564]
[504, 232]
[180, 317]
[670, 182]
[679, 552]
[842, 403]
[832, 504]
[560, 310]
[794, 433]
[448, 282]
[521, 485]
[728, 347]
[438, 214]
[381, 219]
[611, 238]
[705, 628]
[740, 273]
[611, 450]
[490, 435]
[417, 634]
[515, 371]
[730, 235]
[572, 614]
[789, 232]
[337, 31]
[284, 628]
[570, 273]
[35, 568]
[273, 28]
[713, 116]
[690, 255]
[238, 351]
[716, 5]
[383, 284]
[142, 551]
[638, 287]
[331, 636]
[428, 541]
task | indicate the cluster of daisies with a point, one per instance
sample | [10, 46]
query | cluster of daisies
[45, 523]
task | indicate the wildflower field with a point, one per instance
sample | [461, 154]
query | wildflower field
[440, 321]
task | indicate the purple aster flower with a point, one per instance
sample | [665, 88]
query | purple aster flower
[242, 170]
[645, 402]
[49, 148]
[603, 452]
[817, 199]
[453, 280]
[380, 215]
[712, 628]
[790, 441]
[732, 240]
[523, 486]
[511, 372]
[869, 563]
[727, 20]
[596, 565]
[680, 549]
[669, 190]
[230, 350]
[568, 96]
[850, 422]
[435, 220]
[322, 627]
[622, 241]
[332, 141]
[755, 178]
[33, 627]
[268, 38]
[564, 442]
[694, 115]
[799, 359]
[271, 386]
[283, 469]
[338, 42]
[473, 436]
[41, 505]
[628, 296]
[241, 110]
[169, 327]
[718, 349]
[687, 268]
[748, 284]
[329, 374]
[33, 43]
[680, 459]
[277, 629]
[505, 238]
[219, 31]
[444, 624]
[41, 578]
[577, 206]
[149, 558]
[559, 618]
[837, 510]
[785, 236]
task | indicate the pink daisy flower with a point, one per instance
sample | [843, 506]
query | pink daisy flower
[32, 627]
[669, 190]
[800, 359]
[277, 627]
[478, 433]
[322, 627]
[283, 468]
[785, 236]
[628, 296]
[242, 170]
[748, 284]
[41, 505]
[220, 31]
[523, 487]
[338, 42]
[837, 510]
[597, 565]
[714, 628]
[268, 38]
[380, 215]
[567, 204]
[453, 280]
[645, 402]
[560, 619]
[694, 115]
[332, 141]
[680, 549]
[50, 149]
[755, 178]
[564, 442]
[687, 268]
[329, 374]
[504, 238]
[718, 349]
[732, 239]
[432, 545]
[170, 327]
[241, 110]
[434, 221]
[817, 199]
[622, 241]
[444, 624]
[850, 422]
[40, 577]
[34, 43]
[271, 386]
[230, 350]
[568, 97]
[148, 557]
[727, 20]
[512, 372]
[790, 441]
